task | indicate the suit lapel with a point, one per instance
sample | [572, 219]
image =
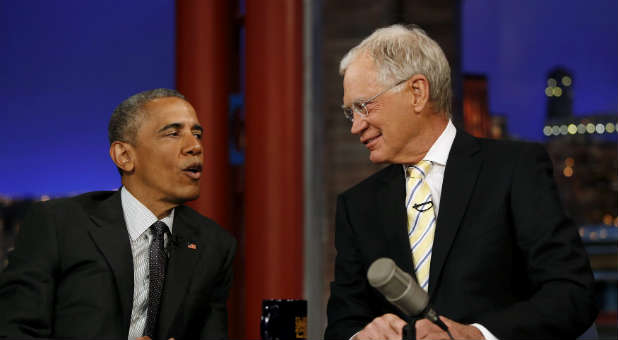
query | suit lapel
[109, 233]
[460, 176]
[393, 216]
[184, 255]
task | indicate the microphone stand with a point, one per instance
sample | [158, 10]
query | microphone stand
[432, 316]
[409, 331]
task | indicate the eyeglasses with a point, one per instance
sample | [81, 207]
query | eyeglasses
[361, 107]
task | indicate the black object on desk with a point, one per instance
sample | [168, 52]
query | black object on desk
[283, 319]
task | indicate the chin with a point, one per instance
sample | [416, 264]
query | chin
[193, 195]
[377, 158]
[189, 195]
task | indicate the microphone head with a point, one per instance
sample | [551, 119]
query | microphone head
[397, 286]
[381, 271]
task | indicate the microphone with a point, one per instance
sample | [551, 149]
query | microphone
[401, 290]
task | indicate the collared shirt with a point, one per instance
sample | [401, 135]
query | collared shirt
[138, 219]
[438, 155]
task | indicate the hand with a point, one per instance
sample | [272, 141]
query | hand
[387, 326]
[426, 329]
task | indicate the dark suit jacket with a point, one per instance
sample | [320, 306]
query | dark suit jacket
[504, 254]
[71, 273]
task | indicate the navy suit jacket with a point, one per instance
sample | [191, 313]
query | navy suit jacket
[504, 253]
[71, 273]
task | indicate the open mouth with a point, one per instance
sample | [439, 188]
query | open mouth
[194, 171]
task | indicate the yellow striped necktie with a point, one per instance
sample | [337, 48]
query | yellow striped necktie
[421, 220]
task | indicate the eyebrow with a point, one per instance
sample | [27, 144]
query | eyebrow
[180, 125]
[358, 101]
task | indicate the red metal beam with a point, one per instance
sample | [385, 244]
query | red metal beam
[274, 180]
[203, 45]
[202, 64]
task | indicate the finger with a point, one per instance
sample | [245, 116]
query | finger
[453, 326]
[395, 322]
[424, 327]
[373, 330]
[365, 334]
[384, 329]
[441, 335]
[448, 321]
[421, 328]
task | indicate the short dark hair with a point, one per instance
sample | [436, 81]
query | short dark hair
[125, 119]
[124, 122]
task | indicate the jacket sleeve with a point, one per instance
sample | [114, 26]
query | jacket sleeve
[215, 325]
[348, 308]
[561, 303]
[28, 283]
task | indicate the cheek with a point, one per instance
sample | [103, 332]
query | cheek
[158, 165]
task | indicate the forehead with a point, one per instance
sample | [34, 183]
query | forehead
[162, 111]
[360, 80]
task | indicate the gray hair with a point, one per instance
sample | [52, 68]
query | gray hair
[125, 120]
[400, 52]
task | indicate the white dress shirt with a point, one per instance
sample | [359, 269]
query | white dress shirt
[138, 219]
[438, 156]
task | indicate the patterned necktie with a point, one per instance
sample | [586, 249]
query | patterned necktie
[157, 264]
[421, 220]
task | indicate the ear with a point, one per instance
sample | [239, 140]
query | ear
[419, 87]
[123, 156]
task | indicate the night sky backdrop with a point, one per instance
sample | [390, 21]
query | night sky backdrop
[516, 43]
[67, 64]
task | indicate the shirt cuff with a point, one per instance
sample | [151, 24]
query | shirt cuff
[486, 333]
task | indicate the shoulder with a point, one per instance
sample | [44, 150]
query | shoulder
[495, 145]
[506, 158]
[206, 227]
[465, 143]
[71, 205]
[377, 179]
[509, 151]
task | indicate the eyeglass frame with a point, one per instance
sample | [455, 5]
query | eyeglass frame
[356, 107]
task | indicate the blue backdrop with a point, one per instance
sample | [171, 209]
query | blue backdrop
[65, 66]
[516, 43]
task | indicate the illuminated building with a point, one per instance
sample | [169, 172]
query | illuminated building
[559, 92]
[476, 118]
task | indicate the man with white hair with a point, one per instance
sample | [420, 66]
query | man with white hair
[478, 223]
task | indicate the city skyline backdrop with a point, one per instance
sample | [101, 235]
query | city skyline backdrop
[70, 63]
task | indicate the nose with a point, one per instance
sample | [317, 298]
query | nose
[193, 146]
[359, 124]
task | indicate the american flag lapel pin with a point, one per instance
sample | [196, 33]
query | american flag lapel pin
[192, 246]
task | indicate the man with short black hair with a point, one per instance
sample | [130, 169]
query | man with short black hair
[134, 262]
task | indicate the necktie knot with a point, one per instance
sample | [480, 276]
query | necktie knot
[419, 170]
[159, 228]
